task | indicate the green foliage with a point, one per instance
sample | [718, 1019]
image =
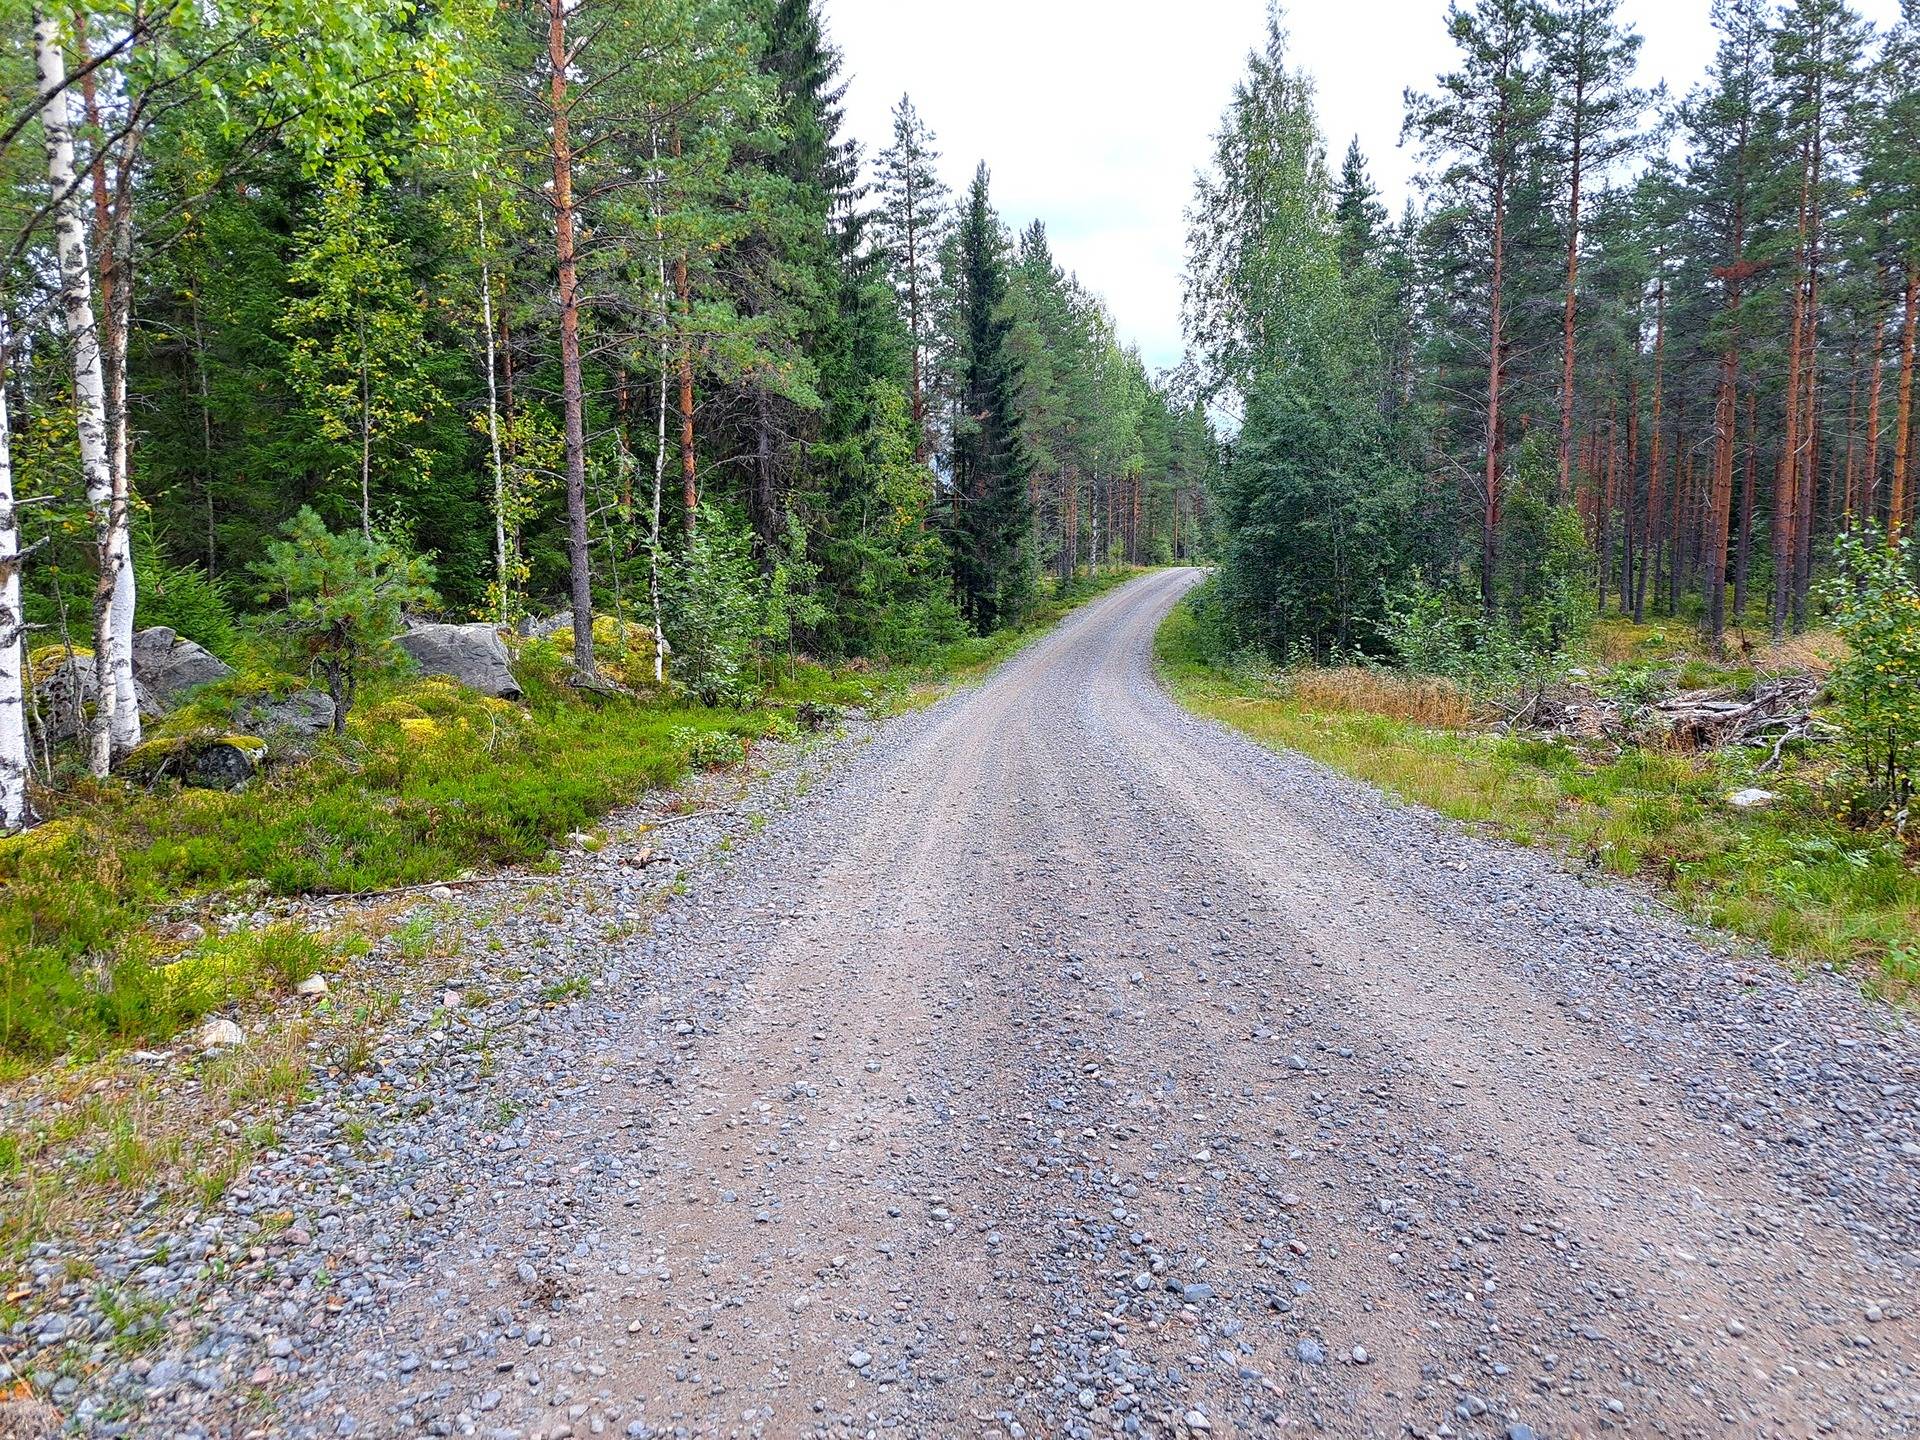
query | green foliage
[357, 333]
[716, 611]
[990, 515]
[182, 598]
[1543, 575]
[339, 598]
[1875, 601]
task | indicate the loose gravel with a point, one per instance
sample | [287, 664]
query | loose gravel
[1054, 1063]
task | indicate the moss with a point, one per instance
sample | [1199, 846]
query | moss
[41, 838]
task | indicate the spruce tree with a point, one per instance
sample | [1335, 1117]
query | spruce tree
[990, 516]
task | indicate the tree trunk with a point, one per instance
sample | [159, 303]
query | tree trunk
[689, 470]
[1903, 407]
[1743, 561]
[14, 767]
[89, 384]
[1870, 478]
[1490, 510]
[1567, 318]
[502, 570]
[113, 256]
[1650, 544]
[1810, 441]
[1786, 483]
[1726, 422]
[572, 388]
[1603, 510]
[660, 436]
[1630, 483]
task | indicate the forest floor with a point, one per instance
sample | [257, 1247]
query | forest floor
[1065, 1064]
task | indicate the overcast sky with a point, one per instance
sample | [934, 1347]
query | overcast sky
[1094, 114]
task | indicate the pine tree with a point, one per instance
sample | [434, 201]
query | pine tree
[1485, 128]
[1589, 63]
[1357, 213]
[1723, 173]
[1892, 178]
[990, 515]
[1816, 63]
[911, 225]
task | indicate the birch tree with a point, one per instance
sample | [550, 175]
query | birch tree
[116, 725]
[14, 766]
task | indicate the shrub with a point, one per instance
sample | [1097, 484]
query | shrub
[340, 598]
[187, 601]
[1876, 686]
[716, 610]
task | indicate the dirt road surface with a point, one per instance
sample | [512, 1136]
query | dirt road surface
[1065, 1065]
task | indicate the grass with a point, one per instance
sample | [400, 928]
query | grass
[1812, 889]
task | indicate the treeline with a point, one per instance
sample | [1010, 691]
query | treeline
[1630, 351]
[590, 303]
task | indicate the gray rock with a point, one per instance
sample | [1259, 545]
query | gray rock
[304, 712]
[1311, 1352]
[475, 655]
[63, 692]
[169, 666]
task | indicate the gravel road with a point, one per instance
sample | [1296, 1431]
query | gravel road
[1062, 1064]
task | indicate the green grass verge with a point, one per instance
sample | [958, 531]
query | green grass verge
[1791, 876]
[430, 781]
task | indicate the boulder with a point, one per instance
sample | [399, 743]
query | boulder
[304, 712]
[212, 762]
[64, 687]
[475, 655]
[168, 666]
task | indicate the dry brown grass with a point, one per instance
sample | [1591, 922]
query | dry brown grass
[1418, 699]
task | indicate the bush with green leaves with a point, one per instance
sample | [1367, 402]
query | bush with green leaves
[1875, 601]
[338, 600]
[715, 610]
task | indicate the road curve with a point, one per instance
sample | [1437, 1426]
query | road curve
[1066, 1065]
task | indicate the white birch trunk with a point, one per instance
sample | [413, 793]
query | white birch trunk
[493, 422]
[660, 440]
[13, 698]
[89, 386]
[124, 723]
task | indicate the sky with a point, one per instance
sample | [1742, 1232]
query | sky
[1093, 115]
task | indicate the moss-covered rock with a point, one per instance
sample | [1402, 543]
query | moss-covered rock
[217, 762]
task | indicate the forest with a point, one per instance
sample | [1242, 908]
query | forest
[1576, 500]
[317, 319]
[1647, 352]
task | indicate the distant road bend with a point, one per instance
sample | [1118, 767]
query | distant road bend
[1067, 1065]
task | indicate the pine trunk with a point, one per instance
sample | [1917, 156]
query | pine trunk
[1650, 544]
[1496, 339]
[1903, 407]
[1567, 318]
[1870, 478]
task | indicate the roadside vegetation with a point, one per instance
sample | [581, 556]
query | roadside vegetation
[108, 909]
[1810, 867]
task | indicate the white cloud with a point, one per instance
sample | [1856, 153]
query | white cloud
[1094, 114]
